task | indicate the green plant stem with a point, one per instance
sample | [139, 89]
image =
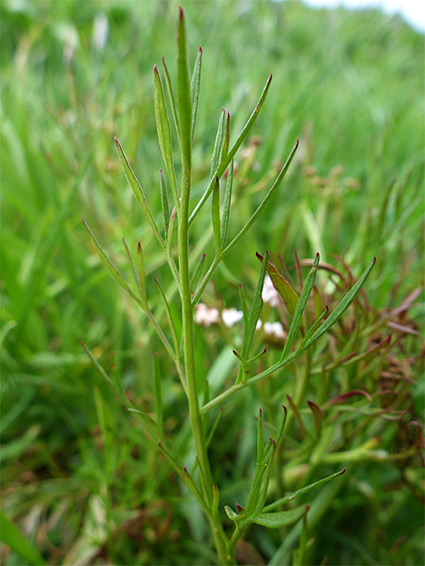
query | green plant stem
[221, 541]
[259, 377]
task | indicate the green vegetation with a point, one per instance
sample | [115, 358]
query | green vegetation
[83, 480]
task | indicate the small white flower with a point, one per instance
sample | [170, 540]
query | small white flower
[206, 316]
[269, 294]
[231, 317]
[259, 324]
[274, 329]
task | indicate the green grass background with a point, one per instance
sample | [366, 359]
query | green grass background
[349, 85]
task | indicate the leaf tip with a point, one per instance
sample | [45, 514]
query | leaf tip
[160, 444]
[200, 50]
[342, 471]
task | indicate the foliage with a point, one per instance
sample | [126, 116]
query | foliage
[79, 478]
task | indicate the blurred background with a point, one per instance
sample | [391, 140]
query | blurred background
[78, 478]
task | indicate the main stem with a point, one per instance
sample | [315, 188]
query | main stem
[220, 538]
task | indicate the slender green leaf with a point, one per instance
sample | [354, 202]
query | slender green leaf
[231, 514]
[341, 308]
[169, 317]
[137, 190]
[264, 485]
[164, 133]
[264, 202]
[218, 144]
[282, 519]
[141, 273]
[171, 227]
[232, 152]
[99, 367]
[261, 471]
[302, 303]
[281, 429]
[301, 491]
[195, 491]
[282, 286]
[195, 84]
[144, 417]
[226, 203]
[216, 216]
[184, 103]
[216, 499]
[113, 270]
[130, 259]
[116, 376]
[158, 396]
[197, 273]
[244, 304]
[214, 426]
[314, 327]
[171, 96]
[173, 458]
[226, 141]
[18, 543]
[164, 203]
[254, 314]
[260, 439]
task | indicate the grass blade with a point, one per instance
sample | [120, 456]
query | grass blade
[341, 308]
[12, 537]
